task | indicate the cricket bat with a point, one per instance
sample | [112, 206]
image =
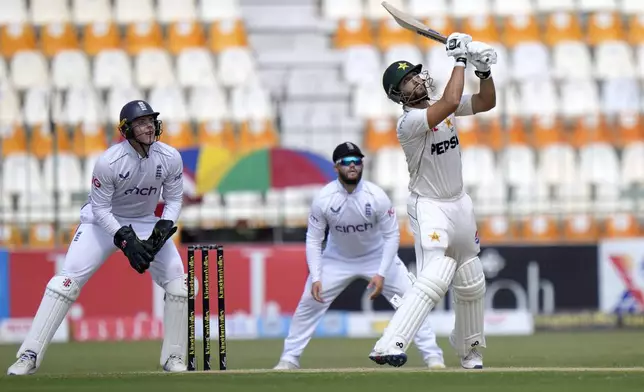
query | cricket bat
[408, 22]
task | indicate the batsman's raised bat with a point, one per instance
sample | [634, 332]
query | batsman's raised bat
[408, 22]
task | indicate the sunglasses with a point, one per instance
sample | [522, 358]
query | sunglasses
[347, 161]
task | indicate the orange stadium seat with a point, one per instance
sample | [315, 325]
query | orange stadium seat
[540, 228]
[513, 133]
[406, 235]
[547, 130]
[590, 129]
[390, 34]
[178, 134]
[14, 140]
[439, 23]
[101, 36]
[604, 26]
[56, 37]
[226, 34]
[629, 128]
[16, 37]
[520, 28]
[185, 35]
[580, 228]
[217, 134]
[41, 235]
[41, 141]
[469, 132]
[497, 229]
[143, 35]
[562, 26]
[10, 235]
[353, 32]
[636, 29]
[381, 133]
[88, 139]
[256, 134]
[481, 28]
[621, 225]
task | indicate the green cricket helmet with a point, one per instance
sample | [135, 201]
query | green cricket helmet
[394, 74]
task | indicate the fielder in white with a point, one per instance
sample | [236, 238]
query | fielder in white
[362, 243]
[440, 212]
[127, 182]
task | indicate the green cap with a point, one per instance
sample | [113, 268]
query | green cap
[394, 74]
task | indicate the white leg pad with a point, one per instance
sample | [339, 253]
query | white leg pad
[60, 294]
[175, 320]
[429, 288]
[469, 296]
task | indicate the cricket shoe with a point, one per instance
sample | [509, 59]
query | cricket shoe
[392, 357]
[174, 364]
[472, 360]
[286, 365]
[435, 363]
[25, 365]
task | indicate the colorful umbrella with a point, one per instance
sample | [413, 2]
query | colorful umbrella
[260, 170]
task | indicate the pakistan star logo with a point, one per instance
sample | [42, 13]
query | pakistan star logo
[403, 66]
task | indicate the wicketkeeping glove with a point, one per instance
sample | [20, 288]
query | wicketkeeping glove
[456, 46]
[482, 56]
[137, 252]
[163, 230]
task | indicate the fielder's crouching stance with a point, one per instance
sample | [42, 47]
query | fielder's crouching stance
[362, 243]
[441, 213]
[127, 181]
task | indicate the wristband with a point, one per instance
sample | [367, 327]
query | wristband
[483, 74]
[461, 62]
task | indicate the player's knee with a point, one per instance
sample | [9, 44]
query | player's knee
[177, 288]
[435, 278]
[469, 281]
[63, 287]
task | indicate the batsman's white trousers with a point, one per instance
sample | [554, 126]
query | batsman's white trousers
[445, 227]
[336, 276]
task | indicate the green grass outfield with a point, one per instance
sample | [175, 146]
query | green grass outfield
[543, 362]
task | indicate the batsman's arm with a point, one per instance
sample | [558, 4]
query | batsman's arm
[451, 98]
[100, 195]
[314, 238]
[388, 225]
[173, 189]
[485, 99]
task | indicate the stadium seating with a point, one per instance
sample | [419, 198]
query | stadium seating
[560, 157]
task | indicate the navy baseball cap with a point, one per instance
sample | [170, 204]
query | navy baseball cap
[346, 149]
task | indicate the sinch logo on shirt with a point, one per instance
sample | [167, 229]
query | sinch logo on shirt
[141, 191]
[354, 228]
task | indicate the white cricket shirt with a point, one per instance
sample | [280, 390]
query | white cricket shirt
[433, 155]
[128, 186]
[361, 224]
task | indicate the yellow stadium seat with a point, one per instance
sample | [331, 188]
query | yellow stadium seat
[353, 32]
[101, 36]
[143, 35]
[629, 129]
[481, 28]
[41, 141]
[56, 37]
[14, 140]
[178, 134]
[581, 228]
[547, 130]
[562, 26]
[497, 229]
[217, 134]
[380, 133]
[256, 134]
[88, 139]
[621, 225]
[185, 35]
[636, 29]
[442, 23]
[540, 228]
[226, 34]
[16, 37]
[10, 235]
[519, 29]
[41, 235]
[604, 26]
[390, 34]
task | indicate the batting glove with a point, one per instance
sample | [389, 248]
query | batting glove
[481, 56]
[456, 47]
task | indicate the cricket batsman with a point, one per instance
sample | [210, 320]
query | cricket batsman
[362, 242]
[127, 181]
[440, 212]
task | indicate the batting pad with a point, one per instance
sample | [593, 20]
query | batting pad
[175, 320]
[60, 294]
[469, 296]
[428, 290]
